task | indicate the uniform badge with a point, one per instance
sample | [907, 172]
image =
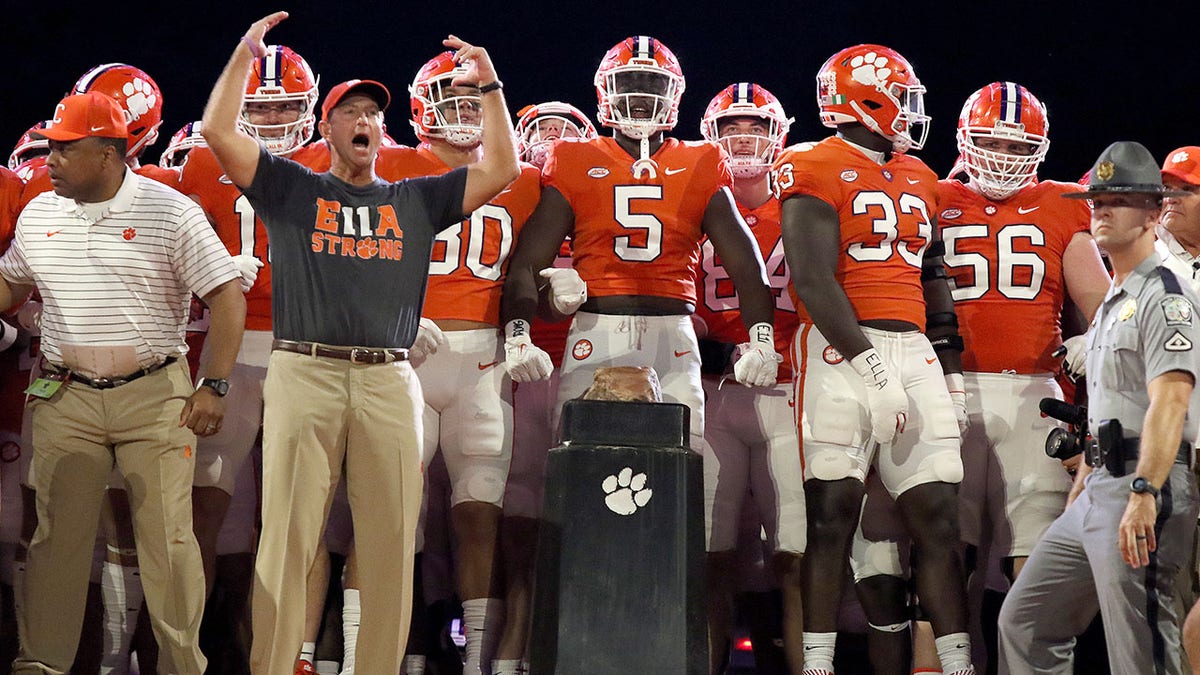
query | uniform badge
[1177, 343]
[1127, 310]
[597, 172]
[832, 356]
[1177, 311]
[951, 214]
[751, 220]
[887, 175]
[1104, 170]
[990, 210]
[849, 175]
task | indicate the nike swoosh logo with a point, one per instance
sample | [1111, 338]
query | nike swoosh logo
[672, 172]
[95, 129]
[485, 366]
[931, 361]
[1022, 210]
[52, 233]
[679, 354]
[912, 181]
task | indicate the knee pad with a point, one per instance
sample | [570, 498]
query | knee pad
[833, 464]
[871, 558]
[943, 467]
[479, 484]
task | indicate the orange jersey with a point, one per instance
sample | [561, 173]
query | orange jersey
[719, 307]
[10, 205]
[1005, 261]
[637, 236]
[468, 261]
[885, 212]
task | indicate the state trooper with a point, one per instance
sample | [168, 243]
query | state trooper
[1118, 547]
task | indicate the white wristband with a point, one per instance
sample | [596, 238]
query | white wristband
[517, 328]
[870, 366]
[763, 333]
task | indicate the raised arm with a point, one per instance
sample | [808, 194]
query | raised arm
[498, 166]
[236, 150]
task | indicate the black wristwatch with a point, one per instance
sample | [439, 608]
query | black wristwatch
[1142, 486]
[219, 387]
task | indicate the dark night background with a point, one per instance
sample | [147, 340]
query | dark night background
[1107, 71]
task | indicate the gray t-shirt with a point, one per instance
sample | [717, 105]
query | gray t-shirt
[349, 264]
[1144, 328]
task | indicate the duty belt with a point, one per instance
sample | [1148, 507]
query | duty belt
[1128, 452]
[358, 355]
[106, 382]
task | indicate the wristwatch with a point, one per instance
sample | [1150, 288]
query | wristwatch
[1142, 486]
[219, 387]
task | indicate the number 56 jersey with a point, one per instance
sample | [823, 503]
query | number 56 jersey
[884, 213]
[1005, 261]
[637, 236]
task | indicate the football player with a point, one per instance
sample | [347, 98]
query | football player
[29, 153]
[468, 395]
[180, 145]
[636, 204]
[1013, 249]
[538, 126]
[859, 236]
[752, 431]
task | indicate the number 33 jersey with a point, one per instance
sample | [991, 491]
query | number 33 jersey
[1005, 261]
[637, 236]
[884, 213]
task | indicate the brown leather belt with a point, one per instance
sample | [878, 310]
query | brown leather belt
[106, 382]
[360, 355]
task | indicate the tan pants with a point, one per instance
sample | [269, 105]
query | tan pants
[77, 434]
[319, 412]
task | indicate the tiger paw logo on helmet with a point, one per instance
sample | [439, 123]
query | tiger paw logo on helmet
[139, 98]
[869, 68]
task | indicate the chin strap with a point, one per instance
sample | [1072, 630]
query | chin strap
[645, 164]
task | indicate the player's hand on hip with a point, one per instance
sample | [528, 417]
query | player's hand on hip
[480, 70]
[248, 266]
[429, 338]
[1074, 353]
[886, 400]
[958, 396]
[568, 291]
[524, 361]
[1135, 536]
[203, 412]
[757, 363]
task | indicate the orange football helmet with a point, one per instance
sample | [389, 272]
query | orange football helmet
[541, 124]
[1005, 111]
[28, 147]
[138, 95]
[181, 143]
[639, 85]
[876, 87]
[282, 77]
[438, 111]
[750, 154]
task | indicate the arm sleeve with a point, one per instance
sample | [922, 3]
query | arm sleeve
[199, 258]
[442, 196]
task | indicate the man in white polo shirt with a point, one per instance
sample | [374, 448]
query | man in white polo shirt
[116, 257]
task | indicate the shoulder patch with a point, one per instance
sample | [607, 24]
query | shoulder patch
[1177, 343]
[1177, 310]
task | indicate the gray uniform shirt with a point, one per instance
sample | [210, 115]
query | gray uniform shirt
[1145, 327]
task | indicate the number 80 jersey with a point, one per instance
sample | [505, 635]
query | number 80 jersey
[637, 236]
[884, 212]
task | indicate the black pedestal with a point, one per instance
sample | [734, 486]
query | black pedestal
[620, 569]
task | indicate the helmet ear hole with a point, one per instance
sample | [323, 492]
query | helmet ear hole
[873, 105]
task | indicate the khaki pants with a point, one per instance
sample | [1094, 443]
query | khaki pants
[319, 412]
[77, 435]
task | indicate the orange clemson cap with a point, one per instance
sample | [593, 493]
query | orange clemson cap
[82, 115]
[1184, 164]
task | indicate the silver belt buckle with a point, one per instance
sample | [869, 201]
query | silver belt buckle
[361, 356]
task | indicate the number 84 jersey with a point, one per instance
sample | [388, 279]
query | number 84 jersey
[1005, 262]
[637, 236]
[884, 213]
